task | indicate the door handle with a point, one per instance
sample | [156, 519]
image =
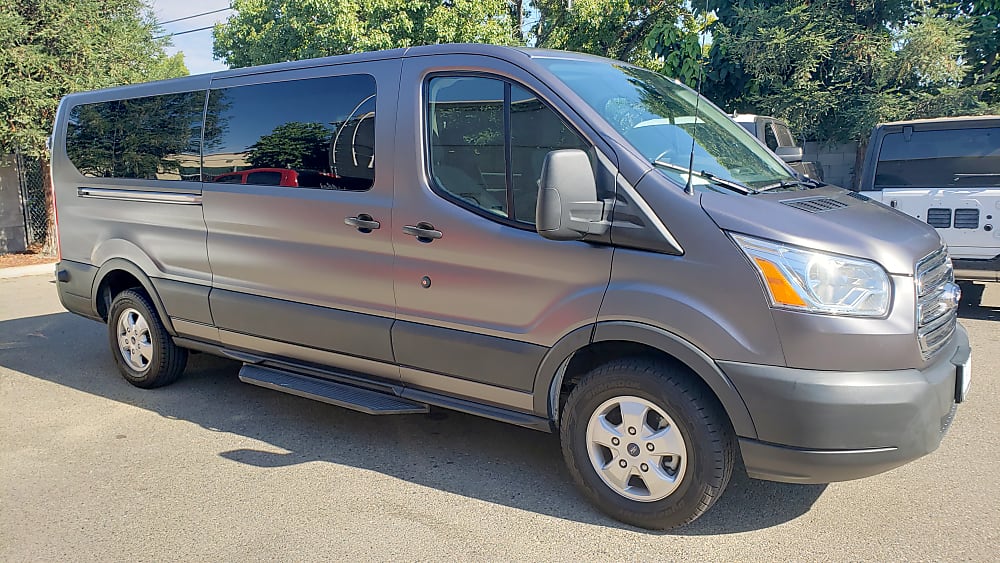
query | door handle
[425, 232]
[363, 222]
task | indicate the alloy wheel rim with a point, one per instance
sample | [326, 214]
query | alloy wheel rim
[135, 343]
[636, 449]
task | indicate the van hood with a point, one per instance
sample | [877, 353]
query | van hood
[831, 219]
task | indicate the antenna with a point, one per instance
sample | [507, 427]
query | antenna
[688, 187]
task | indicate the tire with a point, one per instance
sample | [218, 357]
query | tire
[145, 354]
[675, 415]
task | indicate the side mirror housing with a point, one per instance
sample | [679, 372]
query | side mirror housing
[568, 208]
[789, 154]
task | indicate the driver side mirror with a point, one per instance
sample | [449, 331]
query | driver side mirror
[568, 208]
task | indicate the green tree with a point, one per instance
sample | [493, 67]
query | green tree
[294, 145]
[835, 68]
[658, 34]
[267, 31]
[983, 46]
[54, 47]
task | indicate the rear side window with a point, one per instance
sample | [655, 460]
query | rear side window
[487, 141]
[947, 158]
[153, 138]
[769, 138]
[783, 137]
[313, 133]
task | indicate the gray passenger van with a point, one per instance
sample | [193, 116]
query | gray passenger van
[519, 234]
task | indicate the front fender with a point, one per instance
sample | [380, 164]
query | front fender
[550, 376]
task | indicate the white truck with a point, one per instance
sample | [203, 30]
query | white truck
[945, 172]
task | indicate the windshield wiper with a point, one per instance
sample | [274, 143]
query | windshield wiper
[780, 184]
[734, 186]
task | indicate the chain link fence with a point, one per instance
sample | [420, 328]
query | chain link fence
[36, 216]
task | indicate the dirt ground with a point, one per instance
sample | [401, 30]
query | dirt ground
[27, 258]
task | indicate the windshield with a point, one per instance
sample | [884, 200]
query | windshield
[657, 116]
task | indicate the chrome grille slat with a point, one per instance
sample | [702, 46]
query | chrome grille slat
[935, 278]
[936, 319]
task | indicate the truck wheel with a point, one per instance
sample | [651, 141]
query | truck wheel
[647, 445]
[146, 355]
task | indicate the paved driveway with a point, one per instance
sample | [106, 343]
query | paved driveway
[212, 469]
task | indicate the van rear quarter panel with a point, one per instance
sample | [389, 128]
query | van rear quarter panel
[166, 240]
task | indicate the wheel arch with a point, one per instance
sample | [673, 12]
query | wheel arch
[114, 276]
[596, 343]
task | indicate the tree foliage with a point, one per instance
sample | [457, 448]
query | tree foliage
[657, 34]
[54, 47]
[295, 145]
[267, 31]
[835, 68]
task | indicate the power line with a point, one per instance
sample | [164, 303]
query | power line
[184, 32]
[195, 16]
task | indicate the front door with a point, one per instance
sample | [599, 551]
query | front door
[301, 249]
[480, 296]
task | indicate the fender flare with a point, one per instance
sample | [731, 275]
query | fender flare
[549, 379]
[136, 272]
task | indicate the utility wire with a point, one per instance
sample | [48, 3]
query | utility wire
[184, 32]
[195, 16]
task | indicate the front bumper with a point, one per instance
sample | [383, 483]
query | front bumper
[824, 426]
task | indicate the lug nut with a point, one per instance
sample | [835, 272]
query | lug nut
[644, 467]
[615, 441]
[649, 446]
[623, 463]
[631, 431]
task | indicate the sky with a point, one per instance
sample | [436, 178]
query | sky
[197, 46]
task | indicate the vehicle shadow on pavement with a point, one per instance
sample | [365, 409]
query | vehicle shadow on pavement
[444, 450]
[972, 306]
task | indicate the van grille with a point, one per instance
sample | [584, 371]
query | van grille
[936, 309]
[967, 218]
[815, 204]
[939, 217]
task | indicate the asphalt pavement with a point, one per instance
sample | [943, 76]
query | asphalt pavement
[210, 469]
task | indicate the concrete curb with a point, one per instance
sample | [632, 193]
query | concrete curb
[33, 270]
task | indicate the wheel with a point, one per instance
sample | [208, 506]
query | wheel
[647, 445]
[146, 355]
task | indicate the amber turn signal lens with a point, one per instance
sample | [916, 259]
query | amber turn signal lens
[781, 290]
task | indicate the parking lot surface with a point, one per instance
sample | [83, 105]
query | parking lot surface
[209, 468]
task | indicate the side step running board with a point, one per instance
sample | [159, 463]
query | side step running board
[347, 396]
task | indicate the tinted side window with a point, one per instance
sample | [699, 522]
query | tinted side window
[154, 137]
[264, 178]
[769, 138]
[782, 135]
[487, 142]
[535, 131]
[951, 157]
[229, 179]
[321, 128]
[467, 151]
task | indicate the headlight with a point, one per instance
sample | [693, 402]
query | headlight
[818, 282]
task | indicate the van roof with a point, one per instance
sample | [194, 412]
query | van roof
[501, 52]
[944, 122]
